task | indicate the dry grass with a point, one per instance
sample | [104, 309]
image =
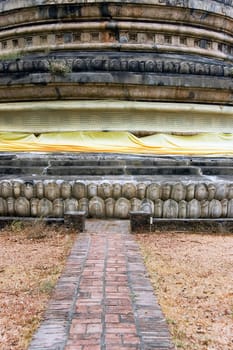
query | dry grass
[31, 260]
[193, 278]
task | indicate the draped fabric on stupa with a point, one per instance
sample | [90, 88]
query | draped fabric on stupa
[119, 142]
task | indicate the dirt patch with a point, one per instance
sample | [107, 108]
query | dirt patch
[31, 260]
[192, 276]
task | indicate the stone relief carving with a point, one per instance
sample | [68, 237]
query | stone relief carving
[170, 209]
[70, 204]
[3, 207]
[108, 64]
[22, 206]
[147, 205]
[193, 209]
[58, 208]
[122, 208]
[51, 190]
[158, 208]
[109, 207]
[45, 207]
[66, 189]
[92, 190]
[97, 207]
[135, 204]
[167, 200]
[79, 190]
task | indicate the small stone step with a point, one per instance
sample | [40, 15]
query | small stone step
[217, 170]
[118, 170]
[15, 170]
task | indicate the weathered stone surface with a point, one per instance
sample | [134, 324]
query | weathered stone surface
[39, 189]
[182, 209]
[17, 188]
[204, 208]
[201, 192]
[165, 191]
[135, 204]
[10, 202]
[158, 208]
[195, 39]
[147, 206]
[105, 190]
[3, 207]
[116, 190]
[109, 207]
[51, 190]
[178, 192]
[230, 191]
[92, 190]
[45, 207]
[66, 189]
[211, 191]
[129, 190]
[224, 204]
[122, 208]
[27, 190]
[153, 191]
[221, 191]
[83, 205]
[70, 204]
[141, 190]
[58, 208]
[97, 207]
[170, 209]
[6, 189]
[194, 208]
[34, 202]
[215, 209]
[217, 202]
[190, 192]
[230, 209]
[22, 207]
[79, 190]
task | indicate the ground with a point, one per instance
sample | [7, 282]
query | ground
[192, 276]
[191, 273]
[31, 259]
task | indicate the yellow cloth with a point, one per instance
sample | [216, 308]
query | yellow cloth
[118, 142]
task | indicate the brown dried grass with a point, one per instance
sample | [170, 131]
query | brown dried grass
[31, 260]
[192, 275]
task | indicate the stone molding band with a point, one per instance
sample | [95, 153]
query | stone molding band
[124, 36]
[114, 62]
[218, 6]
[148, 50]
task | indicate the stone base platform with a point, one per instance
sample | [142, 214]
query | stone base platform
[112, 185]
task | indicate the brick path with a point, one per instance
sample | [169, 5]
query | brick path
[103, 300]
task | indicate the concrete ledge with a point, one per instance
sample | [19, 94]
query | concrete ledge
[71, 219]
[194, 225]
[141, 221]
[75, 219]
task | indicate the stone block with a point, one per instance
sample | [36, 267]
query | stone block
[75, 219]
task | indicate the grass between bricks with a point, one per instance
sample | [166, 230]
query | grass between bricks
[32, 257]
[192, 278]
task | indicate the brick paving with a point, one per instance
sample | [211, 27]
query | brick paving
[104, 299]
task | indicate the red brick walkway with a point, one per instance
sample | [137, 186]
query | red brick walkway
[103, 300]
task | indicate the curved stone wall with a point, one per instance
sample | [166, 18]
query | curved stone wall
[116, 199]
[113, 50]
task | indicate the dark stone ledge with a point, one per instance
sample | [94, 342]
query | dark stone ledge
[117, 78]
[133, 90]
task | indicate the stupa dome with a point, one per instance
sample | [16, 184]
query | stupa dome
[169, 62]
